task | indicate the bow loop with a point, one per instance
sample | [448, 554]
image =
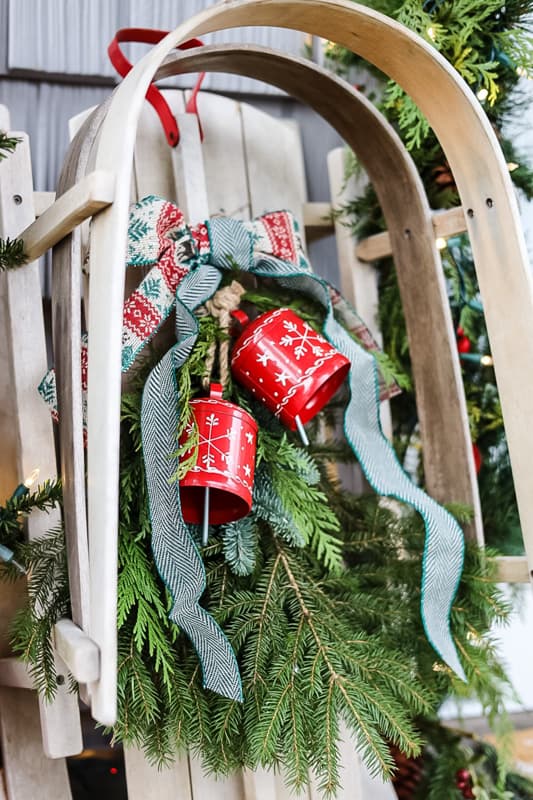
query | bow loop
[158, 236]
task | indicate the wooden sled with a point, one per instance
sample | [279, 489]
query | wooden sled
[120, 154]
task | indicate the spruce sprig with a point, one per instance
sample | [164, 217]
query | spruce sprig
[48, 601]
[7, 144]
[44, 498]
[12, 254]
[294, 477]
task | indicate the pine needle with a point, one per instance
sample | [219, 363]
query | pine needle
[12, 254]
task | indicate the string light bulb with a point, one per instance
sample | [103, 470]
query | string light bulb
[482, 94]
[7, 556]
[24, 488]
[440, 243]
[486, 361]
[512, 165]
[32, 477]
[431, 33]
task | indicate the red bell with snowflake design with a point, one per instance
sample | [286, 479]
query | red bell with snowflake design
[287, 365]
[218, 488]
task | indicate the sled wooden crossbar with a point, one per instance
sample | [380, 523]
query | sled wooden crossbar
[445, 224]
[317, 216]
[90, 195]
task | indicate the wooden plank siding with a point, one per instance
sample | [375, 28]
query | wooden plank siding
[70, 37]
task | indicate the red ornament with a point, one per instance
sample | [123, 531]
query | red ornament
[478, 458]
[463, 781]
[225, 462]
[287, 365]
[464, 345]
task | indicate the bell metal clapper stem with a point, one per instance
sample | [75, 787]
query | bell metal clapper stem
[301, 430]
[205, 524]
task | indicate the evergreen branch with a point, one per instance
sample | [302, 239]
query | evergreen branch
[239, 545]
[12, 254]
[44, 498]
[48, 601]
[8, 144]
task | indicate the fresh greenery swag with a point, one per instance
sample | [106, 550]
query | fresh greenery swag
[11, 250]
[318, 592]
[489, 42]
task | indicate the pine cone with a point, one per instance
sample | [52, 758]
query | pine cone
[408, 774]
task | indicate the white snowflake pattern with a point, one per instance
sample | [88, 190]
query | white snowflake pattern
[249, 437]
[302, 340]
[213, 449]
[263, 359]
[247, 470]
[282, 377]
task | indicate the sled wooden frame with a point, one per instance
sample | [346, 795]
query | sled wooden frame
[394, 177]
[109, 230]
[486, 193]
[485, 178]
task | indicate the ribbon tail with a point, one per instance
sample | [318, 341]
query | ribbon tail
[444, 544]
[176, 556]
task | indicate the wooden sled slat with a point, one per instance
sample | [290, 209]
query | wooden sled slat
[29, 728]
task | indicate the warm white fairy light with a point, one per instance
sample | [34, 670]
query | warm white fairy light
[512, 165]
[440, 243]
[486, 361]
[431, 33]
[32, 477]
[482, 94]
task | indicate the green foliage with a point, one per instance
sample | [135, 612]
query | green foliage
[451, 750]
[7, 144]
[44, 498]
[293, 478]
[239, 542]
[12, 254]
[315, 646]
[318, 592]
[48, 600]
[143, 606]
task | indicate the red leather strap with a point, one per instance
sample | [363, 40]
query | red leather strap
[153, 95]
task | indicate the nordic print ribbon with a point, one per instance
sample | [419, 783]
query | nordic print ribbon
[269, 246]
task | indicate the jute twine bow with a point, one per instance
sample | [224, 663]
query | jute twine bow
[220, 307]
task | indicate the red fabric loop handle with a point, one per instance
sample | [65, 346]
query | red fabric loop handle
[153, 95]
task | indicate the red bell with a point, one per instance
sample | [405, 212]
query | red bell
[287, 365]
[218, 488]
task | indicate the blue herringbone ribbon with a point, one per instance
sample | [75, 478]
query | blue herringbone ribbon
[232, 243]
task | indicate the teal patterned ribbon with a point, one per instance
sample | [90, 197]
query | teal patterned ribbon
[234, 243]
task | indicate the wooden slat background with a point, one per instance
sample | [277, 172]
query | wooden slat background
[70, 37]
